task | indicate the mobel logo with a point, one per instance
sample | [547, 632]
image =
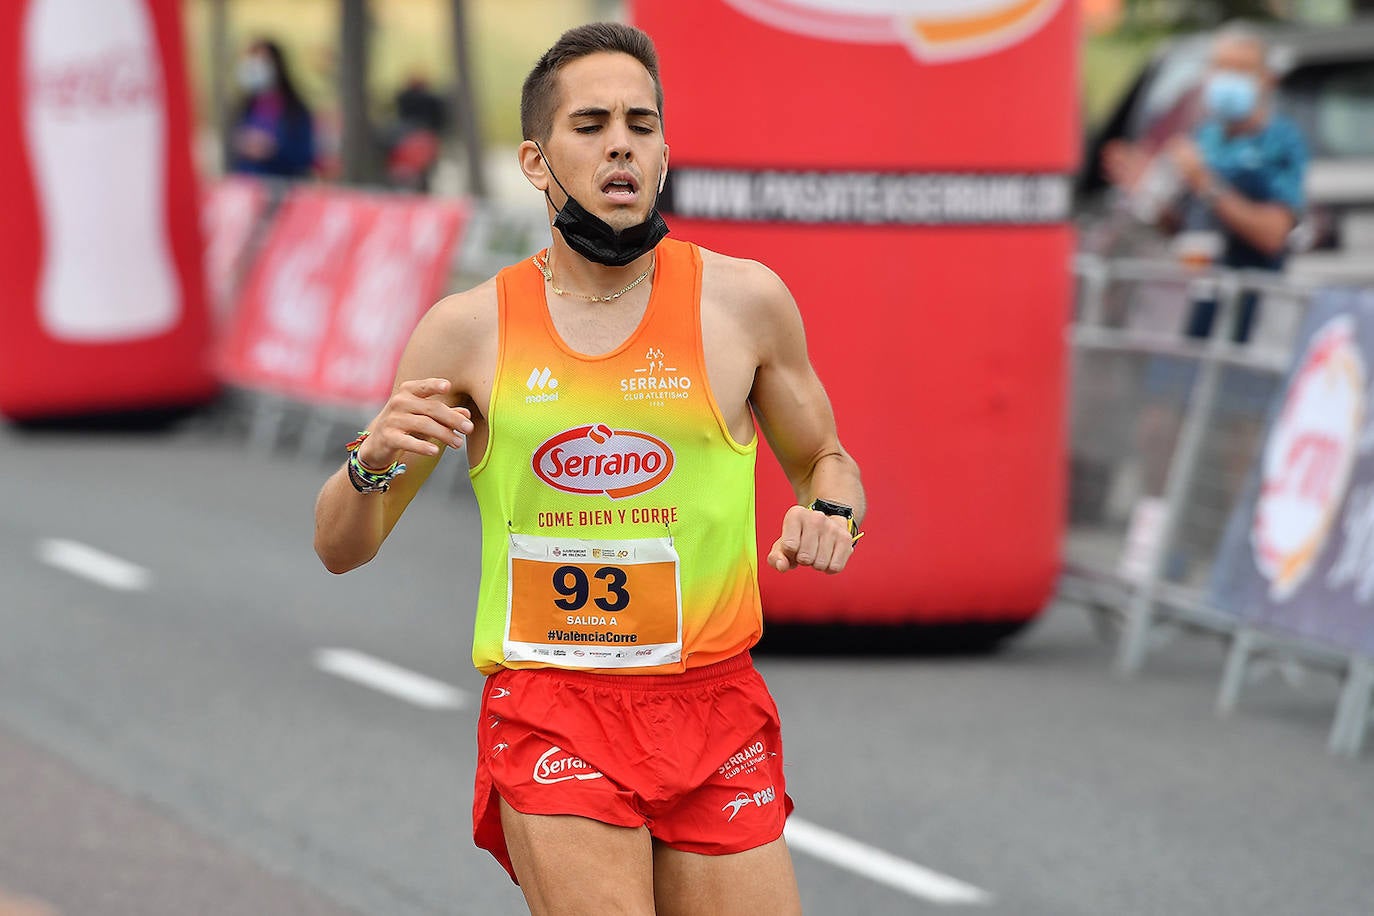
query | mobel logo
[934, 31]
[592, 460]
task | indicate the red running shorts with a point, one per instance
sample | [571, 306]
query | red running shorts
[696, 757]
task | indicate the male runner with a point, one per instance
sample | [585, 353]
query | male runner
[629, 759]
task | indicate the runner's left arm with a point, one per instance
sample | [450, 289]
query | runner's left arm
[795, 415]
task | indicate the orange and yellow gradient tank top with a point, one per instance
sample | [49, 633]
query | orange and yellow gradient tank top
[617, 510]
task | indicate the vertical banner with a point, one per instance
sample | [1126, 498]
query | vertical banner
[1298, 554]
[904, 167]
[342, 280]
[231, 209]
[101, 291]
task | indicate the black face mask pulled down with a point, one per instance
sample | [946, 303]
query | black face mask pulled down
[592, 237]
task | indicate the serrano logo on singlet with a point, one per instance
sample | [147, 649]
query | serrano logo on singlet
[591, 460]
[656, 381]
[557, 765]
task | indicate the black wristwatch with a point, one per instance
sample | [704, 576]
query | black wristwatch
[826, 507]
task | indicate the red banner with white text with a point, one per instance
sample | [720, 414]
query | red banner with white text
[231, 209]
[341, 281]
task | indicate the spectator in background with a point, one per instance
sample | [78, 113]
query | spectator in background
[418, 105]
[413, 139]
[1230, 192]
[1238, 177]
[273, 132]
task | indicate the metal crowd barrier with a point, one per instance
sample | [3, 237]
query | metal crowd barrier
[1165, 430]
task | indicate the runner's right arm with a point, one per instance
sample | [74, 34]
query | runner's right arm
[425, 414]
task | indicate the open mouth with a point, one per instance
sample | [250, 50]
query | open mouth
[621, 189]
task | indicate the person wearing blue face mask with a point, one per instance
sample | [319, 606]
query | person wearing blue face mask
[1243, 168]
[1236, 184]
[1241, 171]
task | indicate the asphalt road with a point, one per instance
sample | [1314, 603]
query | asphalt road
[170, 742]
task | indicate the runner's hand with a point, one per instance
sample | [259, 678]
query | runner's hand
[811, 538]
[414, 414]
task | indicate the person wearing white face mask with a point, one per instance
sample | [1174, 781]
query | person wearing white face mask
[273, 132]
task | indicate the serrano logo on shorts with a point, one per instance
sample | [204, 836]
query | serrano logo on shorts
[591, 460]
[557, 765]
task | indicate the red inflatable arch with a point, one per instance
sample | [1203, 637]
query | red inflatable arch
[904, 169]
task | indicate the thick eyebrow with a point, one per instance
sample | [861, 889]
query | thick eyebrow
[594, 112]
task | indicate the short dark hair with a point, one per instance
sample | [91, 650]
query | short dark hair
[539, 96]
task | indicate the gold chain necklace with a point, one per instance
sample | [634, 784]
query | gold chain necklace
[548, 276]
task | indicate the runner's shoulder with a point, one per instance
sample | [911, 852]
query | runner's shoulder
[748, 286]
[464, 315]
[457, 334]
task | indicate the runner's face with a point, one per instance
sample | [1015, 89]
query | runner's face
[607, 144]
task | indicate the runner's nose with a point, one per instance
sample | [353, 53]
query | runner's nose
[619, 139]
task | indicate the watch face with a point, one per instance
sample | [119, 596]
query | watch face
[829, 508]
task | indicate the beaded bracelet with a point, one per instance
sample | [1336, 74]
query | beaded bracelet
[363, 478]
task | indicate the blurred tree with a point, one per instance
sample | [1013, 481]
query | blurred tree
[1174, 15]
[359, 143]
[1181, 15]
[219, 77]
[465, 101]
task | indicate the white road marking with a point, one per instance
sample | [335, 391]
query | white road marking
[96, 565]
[389, 679]
[880, 866]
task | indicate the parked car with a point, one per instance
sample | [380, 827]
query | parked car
[1325, 84]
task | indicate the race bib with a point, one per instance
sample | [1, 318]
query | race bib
[593, 604]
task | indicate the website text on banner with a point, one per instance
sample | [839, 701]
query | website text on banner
[103, 305]
[341, 281]
[902, 165]
[1298, 555]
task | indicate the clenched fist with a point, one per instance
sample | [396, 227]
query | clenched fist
[812, 538]
[414, 414]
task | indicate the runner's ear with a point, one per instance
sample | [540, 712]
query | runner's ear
[533, 166]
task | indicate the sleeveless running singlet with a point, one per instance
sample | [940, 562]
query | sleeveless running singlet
[617, 510]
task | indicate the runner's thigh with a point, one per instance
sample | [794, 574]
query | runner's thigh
[749, 883]
[575, 866]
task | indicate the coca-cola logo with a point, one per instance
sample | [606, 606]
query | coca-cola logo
[118, 78]
[557, 765]
[591, 460]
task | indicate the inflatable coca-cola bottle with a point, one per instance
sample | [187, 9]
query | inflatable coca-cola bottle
[100, 251]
